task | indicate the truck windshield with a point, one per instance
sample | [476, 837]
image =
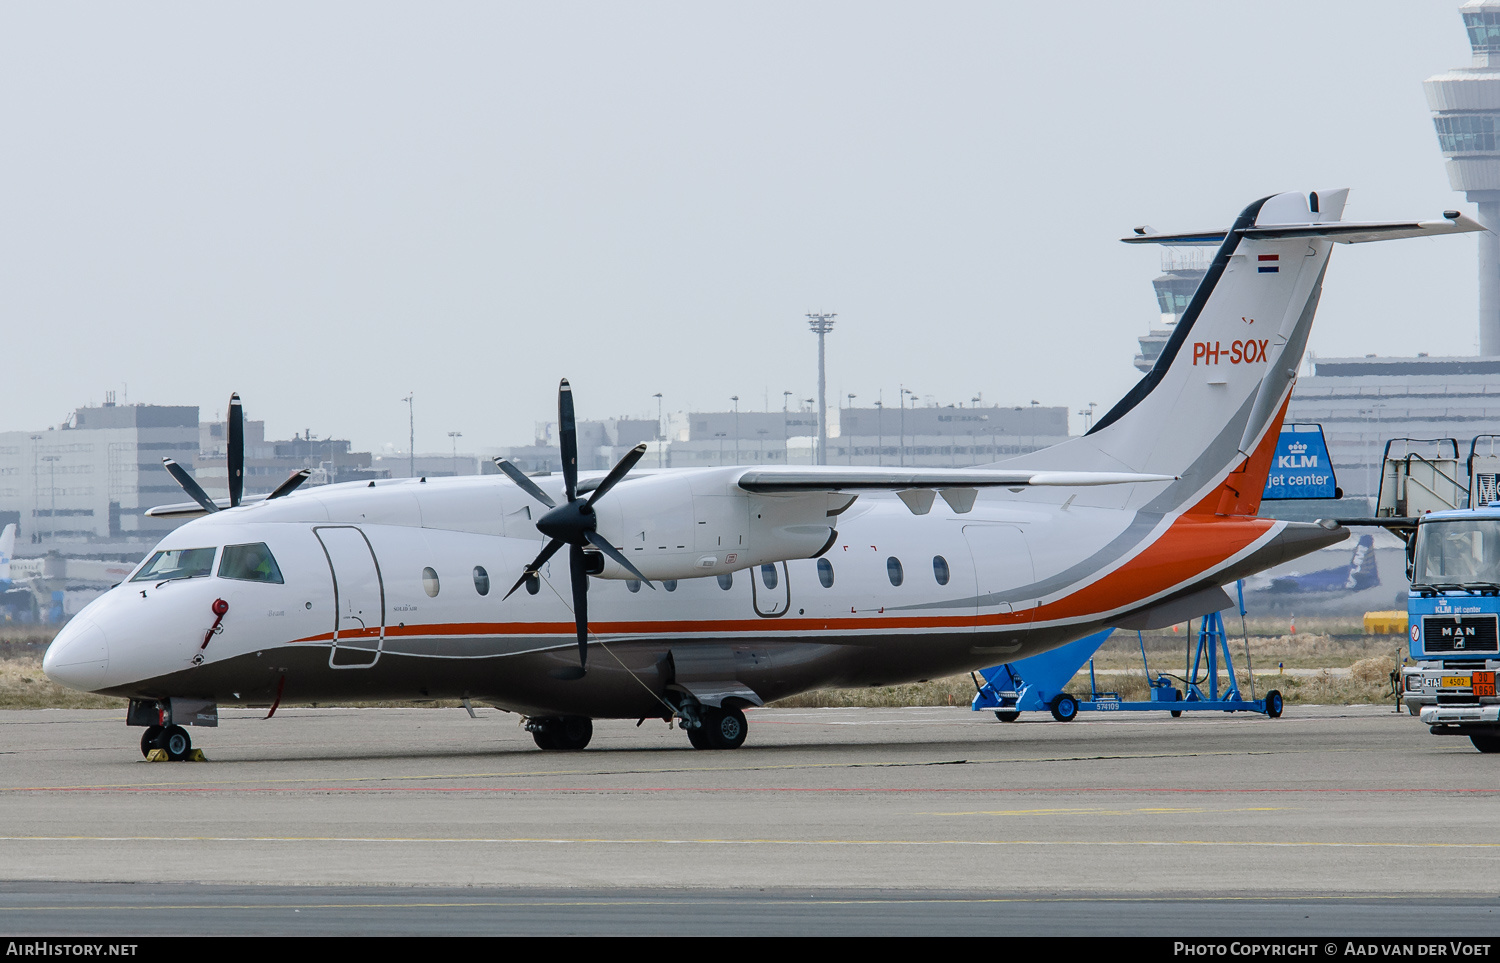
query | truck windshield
[177, 563]
[1458, 552]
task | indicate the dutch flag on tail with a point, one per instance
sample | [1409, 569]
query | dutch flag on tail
[1269, 263]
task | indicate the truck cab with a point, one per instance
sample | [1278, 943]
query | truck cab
[1453, 607]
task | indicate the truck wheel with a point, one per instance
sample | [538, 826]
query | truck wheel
[1064, 708]
[1273, 704]
[1486, 743]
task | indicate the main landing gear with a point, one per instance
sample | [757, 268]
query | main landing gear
[561, 733]
[707, 727]
[717, 729]
[174, 740]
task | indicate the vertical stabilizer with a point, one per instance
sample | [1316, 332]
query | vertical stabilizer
[7, 549]
[1211, 407]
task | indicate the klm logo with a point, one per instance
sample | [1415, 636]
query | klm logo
[1298, 457]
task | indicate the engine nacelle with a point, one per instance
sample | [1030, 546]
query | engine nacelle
[692, 524]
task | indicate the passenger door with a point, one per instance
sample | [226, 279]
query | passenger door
[358, 597]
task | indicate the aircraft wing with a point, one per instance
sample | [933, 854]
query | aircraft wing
[829, 479]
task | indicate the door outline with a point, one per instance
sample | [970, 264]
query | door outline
[755, 593]
[338, 617]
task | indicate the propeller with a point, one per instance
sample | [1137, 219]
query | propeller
[573, 524]
[236, 460]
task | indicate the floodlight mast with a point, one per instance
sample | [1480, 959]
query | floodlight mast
[821, 324]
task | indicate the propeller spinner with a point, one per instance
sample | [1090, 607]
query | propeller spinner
[236, 465]
[574, 524]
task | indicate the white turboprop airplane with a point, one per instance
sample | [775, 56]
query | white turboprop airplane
[691, 594]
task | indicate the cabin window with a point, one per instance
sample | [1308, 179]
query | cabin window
[633, 584]
[726, 581]
[768, 576]
[177, 563]
[250, 563]
[893, 570]
[940, 569]
[670, 585]
[430, 582]
[825, 572]
[481, 580]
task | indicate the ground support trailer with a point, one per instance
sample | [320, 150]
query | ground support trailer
[1037, 683]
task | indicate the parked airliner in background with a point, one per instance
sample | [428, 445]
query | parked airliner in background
[691, 594]
[1359, 574]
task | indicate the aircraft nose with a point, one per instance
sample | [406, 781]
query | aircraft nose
[79, 657]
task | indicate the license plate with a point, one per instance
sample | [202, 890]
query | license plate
[1455, 682]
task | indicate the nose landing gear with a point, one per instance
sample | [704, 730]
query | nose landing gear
[172, 742]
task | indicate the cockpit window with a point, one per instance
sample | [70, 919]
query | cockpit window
[252, 563]
[177, 563]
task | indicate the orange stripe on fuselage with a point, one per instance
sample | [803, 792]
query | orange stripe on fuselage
[1240, 493]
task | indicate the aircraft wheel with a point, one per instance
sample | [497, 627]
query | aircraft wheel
[150, 739]
[698, 738]
[1064, 708]
[1007, 715]
[725, 728]
[177, 742]
[1486, 743]
[1273, 704]
[572, 733]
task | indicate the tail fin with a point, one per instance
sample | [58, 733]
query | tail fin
[1210, 409]
[7, 549]
[1362, 571]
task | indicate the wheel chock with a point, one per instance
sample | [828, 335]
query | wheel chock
[160, 755]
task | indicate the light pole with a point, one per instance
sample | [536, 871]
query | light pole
[1034, 403]
[904, 392]
[821, 324]
[850, 439]
[762, 432]
[1088, 416]
[661, 433]
[879, 432]
[52, 461]
[786, 433]
[411, 437]
[736, 400]
[455, 436]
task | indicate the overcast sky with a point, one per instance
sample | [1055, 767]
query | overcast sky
[324, 206]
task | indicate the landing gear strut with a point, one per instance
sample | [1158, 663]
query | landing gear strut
[561, 733]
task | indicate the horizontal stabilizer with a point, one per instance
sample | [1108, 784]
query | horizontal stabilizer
[1344, 232]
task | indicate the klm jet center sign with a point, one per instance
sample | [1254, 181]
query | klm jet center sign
[1300, 467]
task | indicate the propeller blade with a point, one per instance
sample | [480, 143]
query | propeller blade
[602, 544]
[567, 430]
[576, 563]
[536, 565]
[522, 482]
[188, 485]
[622, 467]
[290, 485]
[236, 450]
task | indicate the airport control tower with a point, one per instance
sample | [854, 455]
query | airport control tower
[1465, 105]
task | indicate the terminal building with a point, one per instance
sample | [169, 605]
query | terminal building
[952, 436]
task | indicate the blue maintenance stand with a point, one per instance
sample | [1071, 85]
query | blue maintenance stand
[1036, 683]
